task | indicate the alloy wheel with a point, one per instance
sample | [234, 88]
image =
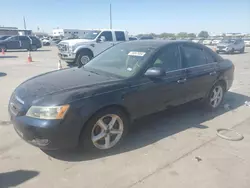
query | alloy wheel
[107, 131]
[216, 96]
[84, 60]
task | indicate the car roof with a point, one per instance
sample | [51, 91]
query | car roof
[159, 43]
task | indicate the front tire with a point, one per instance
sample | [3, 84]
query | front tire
[105, 130]
[215, 96]
[83, 58]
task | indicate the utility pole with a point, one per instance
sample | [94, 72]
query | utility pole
[24, 23]
[110, 16]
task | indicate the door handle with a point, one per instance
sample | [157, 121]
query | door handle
[182, 81]
[212, 73]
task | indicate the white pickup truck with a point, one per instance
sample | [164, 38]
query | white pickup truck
[82, 50]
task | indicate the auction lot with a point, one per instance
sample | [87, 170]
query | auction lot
[175, 148]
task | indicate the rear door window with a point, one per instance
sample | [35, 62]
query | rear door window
[34, 39]
[193, 56]
[14, 38]
[107, 35]
[209, 57]
[120, 36]
[23, 38]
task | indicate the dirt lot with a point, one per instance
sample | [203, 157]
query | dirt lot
[175, 148]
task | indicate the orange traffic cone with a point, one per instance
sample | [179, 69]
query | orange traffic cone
[29, 57]
[59, 65]
[3, 52]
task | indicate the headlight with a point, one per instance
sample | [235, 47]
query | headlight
[49, 112]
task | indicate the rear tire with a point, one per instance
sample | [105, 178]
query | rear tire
[83, 58]
[95, 138]
[232, 51]
[4, 48]
[215, 96]
[242, 50]
[33, 47]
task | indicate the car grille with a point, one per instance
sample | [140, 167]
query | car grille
[63, 47]
[15, 105]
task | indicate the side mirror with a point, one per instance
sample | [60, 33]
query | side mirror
[101, 39]
[155, 72]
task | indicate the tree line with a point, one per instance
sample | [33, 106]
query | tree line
[202, 34]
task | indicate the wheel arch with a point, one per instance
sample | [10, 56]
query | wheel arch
[85, 49]
[223, 82]
[115, 106]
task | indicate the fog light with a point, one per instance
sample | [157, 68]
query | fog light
[40, 142]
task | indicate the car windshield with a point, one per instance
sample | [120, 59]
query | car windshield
[228, 41]
[90, 35]
[123, 60]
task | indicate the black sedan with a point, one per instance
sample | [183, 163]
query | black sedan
[93, 106]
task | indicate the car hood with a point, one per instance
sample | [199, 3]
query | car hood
[76, 41]
[58, 86]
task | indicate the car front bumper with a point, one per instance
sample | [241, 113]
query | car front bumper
[49, 134]
[68, 57]
[223, 49]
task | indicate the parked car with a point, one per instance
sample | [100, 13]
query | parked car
[133, 38]
[207, 41]
[81, 51]
[216, 41]
[230, 46]
[146, 38]
[247, 42]
[198, 40]
[56, 40]
[92, 106]
[21, 42]
[46, 42]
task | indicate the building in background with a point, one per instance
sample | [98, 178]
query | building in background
[24, 32]
[14, 31]
[41, 34]
[62, 33]
[8, 31]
